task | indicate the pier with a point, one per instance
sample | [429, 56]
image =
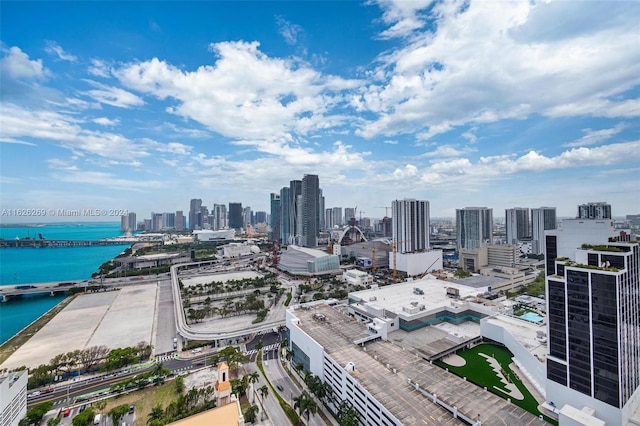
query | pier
[28, 242]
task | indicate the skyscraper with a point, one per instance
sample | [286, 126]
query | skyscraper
[156, 221]
[517, 224]
[349, 213]
[180, 224]
[274, 203]
[247, 216]
[195, 214]
[474, 227]
[593, 316]
[220, 220]
[235, 216]
[168, 220]
[285, 211]
[594, 211]
[410, 225]
[128, 223]
[295, 191]
[542, 219]
[337, 216]
[310, 210]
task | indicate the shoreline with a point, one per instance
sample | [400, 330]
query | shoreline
[22, 336]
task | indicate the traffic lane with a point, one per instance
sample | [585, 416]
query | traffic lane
[270, 403]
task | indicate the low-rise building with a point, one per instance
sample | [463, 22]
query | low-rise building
[354, 277]
[307, 261]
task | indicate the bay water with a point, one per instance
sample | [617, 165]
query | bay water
[49, 264]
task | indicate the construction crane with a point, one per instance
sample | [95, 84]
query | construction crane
[386, 210]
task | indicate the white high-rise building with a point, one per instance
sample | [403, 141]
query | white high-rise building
[517, 224]
[542, 219]
[410, 225]
[220, 217]
[474, 227]
[598, 210]
[593, 318]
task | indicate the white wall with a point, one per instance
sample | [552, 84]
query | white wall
[562, 395]
[417, 263]
[530, 366]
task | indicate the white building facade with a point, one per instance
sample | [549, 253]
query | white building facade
[13, 397]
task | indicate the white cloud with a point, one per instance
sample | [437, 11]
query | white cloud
[470, 136]
[104, 121]
[20, 123]
[447, 151]
[54, 48]
[99, 68]
[109, 180]
[474, 66]
[403, 16]
[15, 141]
[288, 30]
[16, 65]
[390, 142]
[245, 94]
[592, 137]
[113, 96]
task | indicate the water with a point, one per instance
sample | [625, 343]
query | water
[32, 265]
[530, 316]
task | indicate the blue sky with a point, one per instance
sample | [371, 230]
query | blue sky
[144, 105]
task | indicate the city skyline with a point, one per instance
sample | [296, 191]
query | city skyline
[504, 105]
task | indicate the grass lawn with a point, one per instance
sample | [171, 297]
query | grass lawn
[145, 400]
[477, 370]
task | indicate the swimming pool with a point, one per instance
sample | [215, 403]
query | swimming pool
[530, 316]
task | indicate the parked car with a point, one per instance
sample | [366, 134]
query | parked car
[132, 408]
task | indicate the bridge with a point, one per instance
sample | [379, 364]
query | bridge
[8, 291]
[34, 242]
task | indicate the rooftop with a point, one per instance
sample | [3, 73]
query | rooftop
[394, 297]
[309, 251]
[337, 333]
[526, 333]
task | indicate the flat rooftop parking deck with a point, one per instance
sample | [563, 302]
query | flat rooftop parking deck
[115, 319]
[337, 333]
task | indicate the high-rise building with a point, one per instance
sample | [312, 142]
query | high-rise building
[285, 212]
[337, 216]
[235, 216]
[295, 228]
[349, 213]
[387, 226]
[328, 218]
[156, 221]
[593, 317]
[260, 217]
[517, 224]
[128, 223]
[204, 218]
[180, 223]
[247, 217]
[594, 211]
[310, 210]
[274, 223]
[321, 210]
[542, 219]
[219, 217]
[13, 397]
[474, 227]
[195, 214]
[168, 220]
[410, 225]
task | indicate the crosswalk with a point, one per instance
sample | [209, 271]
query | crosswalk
[162, 358]
[265, 349]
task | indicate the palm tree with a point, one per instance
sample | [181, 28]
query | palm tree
[254, 377]
[305, 405]
[264, 391]
[156, 416]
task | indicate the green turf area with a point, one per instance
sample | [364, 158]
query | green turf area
[478, 370]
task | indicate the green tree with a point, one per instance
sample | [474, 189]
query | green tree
[100, 405]
[117, 413]
[35, 414]
[347, 415]
[179, 385]
[54, 421]
[264, 391]
[156, 416]
[85, 418]
[251, 414]
[305, 405]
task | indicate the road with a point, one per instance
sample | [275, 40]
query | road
[165, 324]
